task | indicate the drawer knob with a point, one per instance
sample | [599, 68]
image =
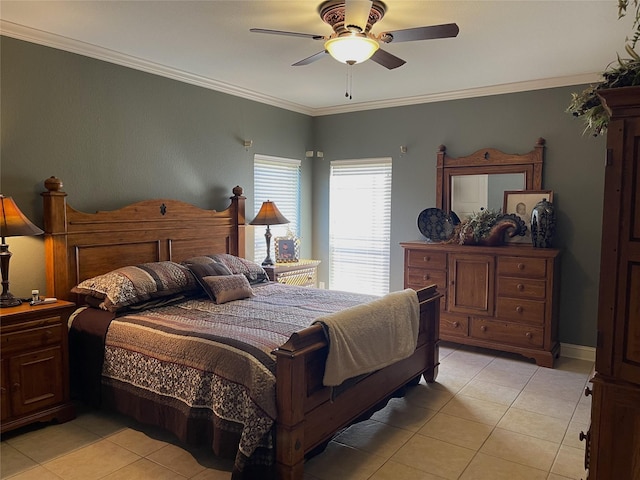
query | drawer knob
[584, 436]
[426, 258]
[48, 333]
[519, 309]
[426, 276]
[587, 391]
[483, 328]
[521, 266]
[520, 286]
[455, 324]
[528, 335]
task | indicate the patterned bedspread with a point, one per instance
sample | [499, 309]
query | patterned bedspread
[215, 361]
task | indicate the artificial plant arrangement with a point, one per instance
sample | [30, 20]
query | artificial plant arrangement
[625, 72]
[487, 227]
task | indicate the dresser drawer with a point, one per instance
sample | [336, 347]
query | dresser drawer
[522, 267]
[421, 277]
[521, 288]
[519, 310]
[32, 338]
[454, 326]
[424, 259]
[506, 332]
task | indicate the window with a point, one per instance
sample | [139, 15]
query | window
[360, 225]
[278, 180]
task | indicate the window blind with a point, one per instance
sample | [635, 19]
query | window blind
[276, 179]
[360, 225]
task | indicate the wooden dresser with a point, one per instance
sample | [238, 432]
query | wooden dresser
[496, 297]
[613, 441]
[35, 364]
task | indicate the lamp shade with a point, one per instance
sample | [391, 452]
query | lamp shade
[352, 48]
[269, 215]
[13, 223]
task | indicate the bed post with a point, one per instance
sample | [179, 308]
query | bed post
[238, 204]
[291, 392]
[55, 238]
[430, 312]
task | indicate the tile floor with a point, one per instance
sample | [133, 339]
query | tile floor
[489, 416]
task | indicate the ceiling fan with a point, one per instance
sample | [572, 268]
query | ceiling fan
[352, 41]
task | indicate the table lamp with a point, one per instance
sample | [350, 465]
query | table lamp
[13, 223]
[268, 215]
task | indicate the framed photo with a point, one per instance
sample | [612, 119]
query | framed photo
[287, 249]
[521, 203]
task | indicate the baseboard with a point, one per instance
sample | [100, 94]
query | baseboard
[579, 352]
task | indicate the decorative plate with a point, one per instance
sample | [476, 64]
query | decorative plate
[436, 224]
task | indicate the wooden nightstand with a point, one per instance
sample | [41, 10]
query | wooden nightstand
[34, 365]
[303, 273]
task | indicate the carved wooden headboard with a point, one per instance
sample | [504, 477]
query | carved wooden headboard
[82, 245]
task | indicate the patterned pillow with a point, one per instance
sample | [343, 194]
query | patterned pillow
[254, 272]
[133, 284]
[229, 287]
[202, 259]
[202, 271]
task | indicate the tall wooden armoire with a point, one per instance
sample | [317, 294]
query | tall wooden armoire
[613, 450]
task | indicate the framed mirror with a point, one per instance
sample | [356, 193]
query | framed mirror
[479, 180]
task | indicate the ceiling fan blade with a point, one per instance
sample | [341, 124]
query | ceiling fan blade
[290, 34]
[387, 60]
[421, 33]
[311, 59]
[356, 13]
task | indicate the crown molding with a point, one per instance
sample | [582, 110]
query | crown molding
[515, 87]
[20, 32]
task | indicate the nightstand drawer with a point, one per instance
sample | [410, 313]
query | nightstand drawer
[32, 338]
[35, 364]
[301, 278]
[303, 273]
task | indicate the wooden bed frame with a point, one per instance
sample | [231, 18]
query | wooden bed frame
[81, 245]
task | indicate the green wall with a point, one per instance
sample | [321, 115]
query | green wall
[116, 135]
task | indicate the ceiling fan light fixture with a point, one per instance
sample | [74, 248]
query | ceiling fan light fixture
[352, 48]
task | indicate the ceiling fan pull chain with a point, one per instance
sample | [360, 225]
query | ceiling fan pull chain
[349, 83]
[346, 93]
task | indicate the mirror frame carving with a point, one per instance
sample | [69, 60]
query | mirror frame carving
[487, 161]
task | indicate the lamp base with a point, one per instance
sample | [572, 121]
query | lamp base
[8, 300]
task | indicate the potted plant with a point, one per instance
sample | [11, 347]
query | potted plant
[625, 72]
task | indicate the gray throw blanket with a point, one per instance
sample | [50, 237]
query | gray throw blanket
[368, 337]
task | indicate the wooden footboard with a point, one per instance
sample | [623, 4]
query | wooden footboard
[307, 413]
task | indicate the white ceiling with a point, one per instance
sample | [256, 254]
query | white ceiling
[503, 46]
